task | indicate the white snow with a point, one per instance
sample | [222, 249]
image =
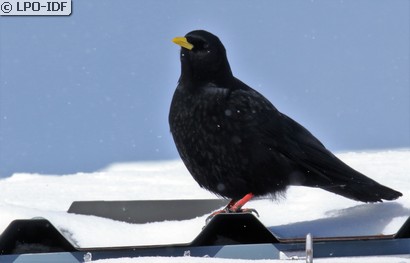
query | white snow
[303, 210]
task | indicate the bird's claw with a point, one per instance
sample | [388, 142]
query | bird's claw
[230, 211]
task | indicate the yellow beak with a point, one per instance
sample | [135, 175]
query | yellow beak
[183, 42]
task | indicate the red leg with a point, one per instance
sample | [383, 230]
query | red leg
[230, 204]
[236, 207]
[227, 209]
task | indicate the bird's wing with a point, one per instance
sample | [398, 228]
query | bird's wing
[274, 137]
[280, 147]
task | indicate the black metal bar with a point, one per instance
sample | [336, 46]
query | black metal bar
[227, 236]
[143, 211]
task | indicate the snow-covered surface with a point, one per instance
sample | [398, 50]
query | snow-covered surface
[303, 210]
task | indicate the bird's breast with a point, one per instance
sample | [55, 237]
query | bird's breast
[199, 126]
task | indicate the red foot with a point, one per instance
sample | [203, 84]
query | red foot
[235, 207]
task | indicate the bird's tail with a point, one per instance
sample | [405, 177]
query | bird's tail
[368, 192]
[339, 178]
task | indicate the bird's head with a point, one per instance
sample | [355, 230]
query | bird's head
[203, 58]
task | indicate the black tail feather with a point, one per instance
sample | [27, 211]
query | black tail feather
[368, 193]
[337, 177]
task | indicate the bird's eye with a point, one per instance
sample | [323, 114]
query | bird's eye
[200, 45]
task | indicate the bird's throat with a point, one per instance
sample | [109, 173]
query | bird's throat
[195, 78]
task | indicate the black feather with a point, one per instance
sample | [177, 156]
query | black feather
[234, 141]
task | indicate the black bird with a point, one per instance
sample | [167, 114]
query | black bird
[236, 144]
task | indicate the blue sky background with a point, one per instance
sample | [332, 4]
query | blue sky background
[80, 92]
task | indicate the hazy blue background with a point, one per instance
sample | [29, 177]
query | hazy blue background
[80, 92]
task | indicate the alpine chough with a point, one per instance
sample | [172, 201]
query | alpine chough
[236, 144]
